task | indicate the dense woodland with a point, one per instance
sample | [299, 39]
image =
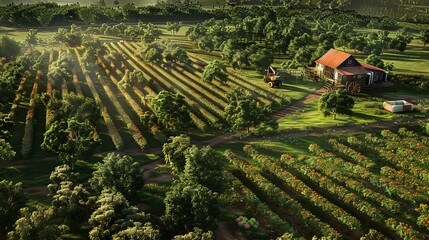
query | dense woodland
[162, 93]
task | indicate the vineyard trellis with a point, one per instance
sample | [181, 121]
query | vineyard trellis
[384, 194]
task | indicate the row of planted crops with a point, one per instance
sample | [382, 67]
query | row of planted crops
[122, 108]
[372, 185]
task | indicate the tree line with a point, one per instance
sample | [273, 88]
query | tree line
[52, 14]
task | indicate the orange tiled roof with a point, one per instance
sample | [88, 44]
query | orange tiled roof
[369, 66]
[333, 58]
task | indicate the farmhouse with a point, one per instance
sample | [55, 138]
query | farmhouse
[342, 68]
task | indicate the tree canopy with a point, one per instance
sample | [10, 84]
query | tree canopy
[6, 152]
[37, 225]
[189, 205]
[71, 134]
[171, 111]
[12, 199]
[9, 48]
[244, 111]
[114, 218]
[336, 102]
[196, 234]
[174, 152]
[214, 70]
[119, 173]
[205, 166]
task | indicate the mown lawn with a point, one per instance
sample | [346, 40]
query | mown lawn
[365, 111]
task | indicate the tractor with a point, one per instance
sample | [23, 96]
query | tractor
[272, 77]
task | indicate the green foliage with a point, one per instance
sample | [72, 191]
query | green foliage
[214, 70]
[115, 57]
[118, 173]
[205, 166]
[132, 78]
[151, 33]
[61, 35]
[152, 53]
[62, 173]
[171, 111]
[402, 38]
[61, 70]
[159, 51]
[72, 131]
[6, 152]
[174, 27]
[73, 40]
[189, 205]
[71, 204]
[174, 152]
[71, 140]
[244, 111]
[9, 48]
[375, 61]
[113, 215]
[173, 53]
[424, 36]
[138, 232]
[92, 49]
[10, 78]
[37, 225]
[197, 234]
[427, 128]
[6, 125]
[261, 60]
[336, 102]
[12, 198]
[31, 38]
[34, 60]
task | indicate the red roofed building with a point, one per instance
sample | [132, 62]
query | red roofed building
[342, 68]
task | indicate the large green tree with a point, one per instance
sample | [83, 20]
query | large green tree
[60, 174]
[72, 140]
[171, 111]
[71, 204]
[119, 173]
[174, 152]
[12, 198]
[424, 36]
[9, 48]
[113, 215]
[37, 225]
[189, 205]
[139, 231]
[197, 234]
[10, 78]
[71, 134]
[31, 38]
[205, 166]
[336, 102]
[214, 70]
[244, 111]
[6, 152]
